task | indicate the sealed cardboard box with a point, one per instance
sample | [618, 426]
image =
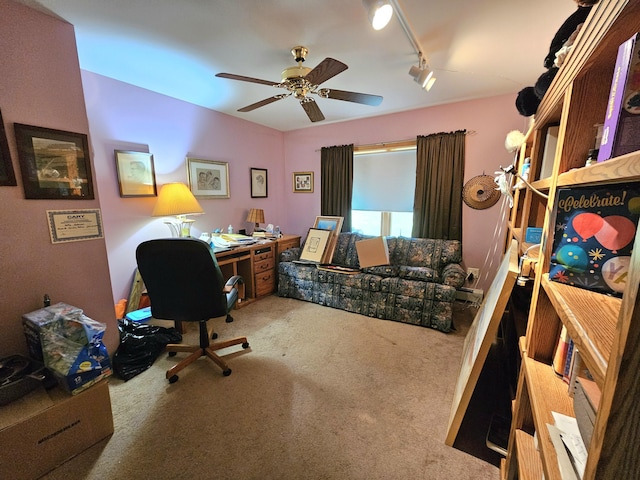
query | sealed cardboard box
[44, 429]
[372, 252]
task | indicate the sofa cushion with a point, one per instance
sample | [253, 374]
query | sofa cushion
[424, 252]
[345, 253]
[425, 274]
[382, 270]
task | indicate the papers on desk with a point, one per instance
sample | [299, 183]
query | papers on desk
[228, 240]
[570, 449]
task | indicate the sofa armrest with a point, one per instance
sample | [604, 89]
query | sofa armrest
[290, 254]
[454, 275]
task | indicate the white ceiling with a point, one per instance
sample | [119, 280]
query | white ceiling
[478, 48]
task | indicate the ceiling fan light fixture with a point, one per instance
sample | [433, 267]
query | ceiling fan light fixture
[380, 13]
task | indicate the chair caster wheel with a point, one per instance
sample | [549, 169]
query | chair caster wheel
[245, 345]
[172, 354]
[173, 379]
[214, 335]
[226, 372]
[229, 319]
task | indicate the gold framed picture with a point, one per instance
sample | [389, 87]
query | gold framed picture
[208, 178]
[303, 182]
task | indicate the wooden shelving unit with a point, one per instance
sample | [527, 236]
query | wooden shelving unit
[606, 330]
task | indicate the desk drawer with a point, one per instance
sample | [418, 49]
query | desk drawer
[263, 253]
[263, 266]
[265, 283]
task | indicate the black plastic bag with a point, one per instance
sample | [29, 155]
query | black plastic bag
[140, 345]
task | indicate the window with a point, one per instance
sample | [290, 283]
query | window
[383, 190]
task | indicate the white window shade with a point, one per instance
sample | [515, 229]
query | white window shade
[384, 182]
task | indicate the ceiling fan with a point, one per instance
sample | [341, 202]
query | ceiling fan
[301, 81]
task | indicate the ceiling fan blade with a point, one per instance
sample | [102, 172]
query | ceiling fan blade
[232, 76]
[365, 98]
[312, 109]
[262, 103]
[326, 69]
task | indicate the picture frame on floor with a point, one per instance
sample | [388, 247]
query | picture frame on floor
[54, 164]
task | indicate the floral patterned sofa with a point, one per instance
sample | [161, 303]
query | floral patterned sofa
[418, 287]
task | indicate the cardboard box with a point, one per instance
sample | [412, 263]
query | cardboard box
[372, 252]
[42, 430]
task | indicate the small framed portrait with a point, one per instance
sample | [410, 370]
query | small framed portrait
[7, 175]
[208, 178]
[259, 183]
[303, 182]
[136, 174]
[54, 164]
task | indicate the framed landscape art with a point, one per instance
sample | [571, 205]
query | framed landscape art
[54, 164]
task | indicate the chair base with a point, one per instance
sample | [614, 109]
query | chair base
[204, 349]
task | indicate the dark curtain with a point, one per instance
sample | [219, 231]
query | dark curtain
[336, 183]
[437, 206]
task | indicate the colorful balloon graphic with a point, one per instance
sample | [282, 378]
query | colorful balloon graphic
[587, 224]
[573, 257]
[614, 273]
[616, 232]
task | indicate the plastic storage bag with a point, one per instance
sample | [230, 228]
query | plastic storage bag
[140, 345]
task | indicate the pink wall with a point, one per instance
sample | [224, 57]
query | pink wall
[129, 118]
[491, 119]
[40, 85]
[124, 117]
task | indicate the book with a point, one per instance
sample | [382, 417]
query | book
[594, 233]
[621, 131]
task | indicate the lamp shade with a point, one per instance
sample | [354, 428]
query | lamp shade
[176, 199]
[256, 215]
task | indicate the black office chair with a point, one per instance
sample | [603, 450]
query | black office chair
[185, 284]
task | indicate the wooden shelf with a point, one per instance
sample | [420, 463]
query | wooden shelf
[590, 319]
[548, 393]
[604, 329]
[529, 463]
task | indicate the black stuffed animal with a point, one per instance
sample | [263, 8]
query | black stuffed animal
[529, 98]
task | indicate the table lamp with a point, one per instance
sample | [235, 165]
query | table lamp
[176, 199]
[256, 216]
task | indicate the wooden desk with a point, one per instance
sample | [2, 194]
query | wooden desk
[257, 264]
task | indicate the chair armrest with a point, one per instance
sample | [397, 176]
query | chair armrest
[232, 282]
[454, 275]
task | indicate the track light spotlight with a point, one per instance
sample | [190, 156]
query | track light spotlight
[380, 12]
[423, 76]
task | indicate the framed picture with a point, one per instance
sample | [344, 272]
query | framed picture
[329, 223]
[136, 174]
[334, 225]
[259, 183]
[207, 178]
[315, 245]
[7, 175]
[303, 182]
[54, 163]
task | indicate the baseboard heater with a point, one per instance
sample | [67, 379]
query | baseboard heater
[472, 295]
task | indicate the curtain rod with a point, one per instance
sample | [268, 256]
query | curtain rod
[390, 146]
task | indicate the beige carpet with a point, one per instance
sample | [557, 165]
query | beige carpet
[321, 394]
